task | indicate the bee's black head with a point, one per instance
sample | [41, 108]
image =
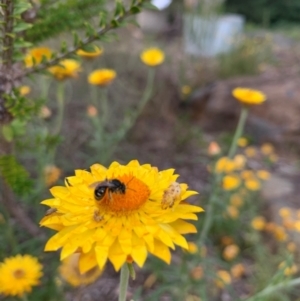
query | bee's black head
[99, 192]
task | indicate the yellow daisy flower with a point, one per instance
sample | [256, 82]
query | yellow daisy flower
[24, 90]
[102, 77]
[225, 165]
[152, 57]
[223, 279]
[90, 54]
[258, 223]
[231, 182]
[242, 142]
[230, 252]
[119, 213]
[66, 69]
[19, 274]
[267, 149]
[238, 270]
[35, 56]
[186, 90]
[51, 174]
[249, 96]
[69, 271]
[252, 184]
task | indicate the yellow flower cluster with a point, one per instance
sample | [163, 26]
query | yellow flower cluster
[236, 175]
[290, 221]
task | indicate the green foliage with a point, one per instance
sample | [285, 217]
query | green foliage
[266, 11]
[15, 175]
[56, 17]
[21, 107]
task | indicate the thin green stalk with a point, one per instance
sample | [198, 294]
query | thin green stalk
[208, 219]
[124, 278]
[217, 177]
[275, 288]
[238, 132]
[24, 297]
[60, 103]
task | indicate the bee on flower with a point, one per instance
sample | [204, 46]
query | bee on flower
[115, 214]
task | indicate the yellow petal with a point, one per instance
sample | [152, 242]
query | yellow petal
[116, 255]
[161, 251]
[183, 227]
[139, 251]
[101, 255]
[67, 250]
[87, 262]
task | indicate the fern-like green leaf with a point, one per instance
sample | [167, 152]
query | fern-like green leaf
[15, 175]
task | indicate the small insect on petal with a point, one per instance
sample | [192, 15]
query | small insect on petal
[171, 195]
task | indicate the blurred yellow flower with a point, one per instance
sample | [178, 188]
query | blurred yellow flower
[223, 279]
[121, 223]
[238, 270]
[270, 227]
[292, 247]
[152, 57]
[250, 151]
[51, 174]
[213, 149]
[192, 248]
[288, 269]
[236, 200]
[263, 174]
[242, 142]
[231, 182]
[227, 240]
[249, 96]
[102, 77]
[288, 224]
[233, 212]
[239, 161]
[24, 90]
[69, 271]
[252, 184]
[285, 212]
[197, 273]
[19, 274]
[247, 174]
[267, 149]
[186, 90]
[92, 111]
[258, 223]
[224, 165]
[36, 55]
[230, 252]
[66, 69]
[280, 234]
[297, 226]
[90, 54]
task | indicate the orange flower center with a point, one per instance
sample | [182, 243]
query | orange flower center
[135, 195]
[19, 273]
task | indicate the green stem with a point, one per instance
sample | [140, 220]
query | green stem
[275, 288]
[238, 132]
[24, 297]
[210, 210]
[124, 277]
[60, 103]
